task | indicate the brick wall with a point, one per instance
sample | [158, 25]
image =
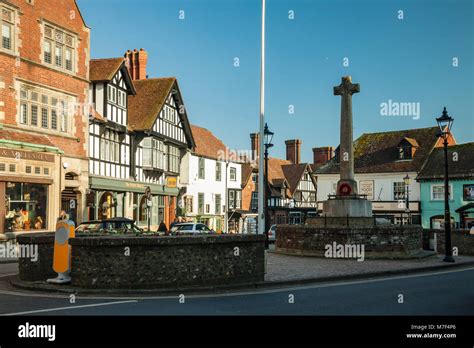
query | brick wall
[247, 194]
[26, 64]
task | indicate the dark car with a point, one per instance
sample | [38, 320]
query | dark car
[110, 226]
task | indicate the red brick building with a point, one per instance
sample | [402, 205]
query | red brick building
[44, 82]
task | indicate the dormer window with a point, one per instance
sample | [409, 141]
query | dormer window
[404, 152]
[407, 148]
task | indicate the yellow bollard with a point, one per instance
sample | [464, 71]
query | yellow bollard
[62, 251]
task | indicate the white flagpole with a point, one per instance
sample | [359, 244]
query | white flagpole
[261, 188]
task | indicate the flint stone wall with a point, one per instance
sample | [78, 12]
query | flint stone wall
[166, 262]
[42, 269]
[390, 242]
[461, 239]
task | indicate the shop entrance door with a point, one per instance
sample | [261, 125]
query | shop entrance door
[69, 200]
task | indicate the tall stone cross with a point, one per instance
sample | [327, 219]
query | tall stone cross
[346, 185]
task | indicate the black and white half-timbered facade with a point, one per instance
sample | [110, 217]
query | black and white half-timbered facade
[292, 192]
[162, 136]
[109, 138]
[138, 133]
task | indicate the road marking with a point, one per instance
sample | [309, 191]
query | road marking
[70, 307]
[281, 288]
[8, 275]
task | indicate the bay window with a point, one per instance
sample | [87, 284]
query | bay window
[154, 153]
[173, 159]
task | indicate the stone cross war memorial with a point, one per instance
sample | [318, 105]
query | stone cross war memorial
[347, 217]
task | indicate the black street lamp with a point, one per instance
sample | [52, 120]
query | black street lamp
[445, 122]
[268, 144]
[407, 180]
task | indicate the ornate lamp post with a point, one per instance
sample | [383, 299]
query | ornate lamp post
[268, 144]
[445, 122]
[407, 180]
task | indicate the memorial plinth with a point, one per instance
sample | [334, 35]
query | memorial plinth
[347, 202]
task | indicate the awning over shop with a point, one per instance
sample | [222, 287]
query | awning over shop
[27, 141]
[97, 183]
[466, 208]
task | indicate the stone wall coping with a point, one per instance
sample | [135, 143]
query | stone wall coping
[351, 228]
[36, 238]
[458, 231]
[119, 240]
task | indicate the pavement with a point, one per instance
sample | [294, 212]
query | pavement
[297, 269]
[443, 292]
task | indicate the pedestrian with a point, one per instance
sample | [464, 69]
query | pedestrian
[176, 221]
[162, 227]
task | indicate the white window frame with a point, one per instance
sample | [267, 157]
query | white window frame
[10, 23]
[432, 186]
[111, 94]
[233, 174]
[47, 103]
[61, 42]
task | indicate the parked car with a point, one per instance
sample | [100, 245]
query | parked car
[190, 228]
[272, 233]
[116, 225]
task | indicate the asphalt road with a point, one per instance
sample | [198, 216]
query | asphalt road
[440, 293]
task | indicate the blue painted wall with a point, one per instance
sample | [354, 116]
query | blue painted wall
[431, 207]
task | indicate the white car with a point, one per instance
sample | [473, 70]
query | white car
[272, 233]
[190, 228]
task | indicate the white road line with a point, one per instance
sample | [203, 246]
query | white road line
[8, 275]
[70, 307]
[278, 288]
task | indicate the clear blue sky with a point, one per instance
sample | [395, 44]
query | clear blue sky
[408, 60]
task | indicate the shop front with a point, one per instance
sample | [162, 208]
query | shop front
[397, 212]
[28, 190]
[109, 198]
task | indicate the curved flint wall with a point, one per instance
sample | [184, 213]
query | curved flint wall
[386, 242]
[122, 262]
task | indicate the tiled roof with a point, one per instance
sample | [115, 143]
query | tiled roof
[207, 144]
[25, 137]
[145, 106]
[378, 152]
[462, 168]
[96, 115]
[246, 173]
[293, 174]
[275, 169]
[104, 69]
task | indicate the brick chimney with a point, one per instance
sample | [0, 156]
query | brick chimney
[321, 155]
[293, 151]
[255, 145]
[137, 62]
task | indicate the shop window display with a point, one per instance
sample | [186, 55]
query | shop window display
[26, 206]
